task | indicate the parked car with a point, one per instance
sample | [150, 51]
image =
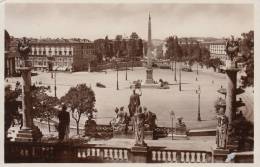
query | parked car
[186, 69]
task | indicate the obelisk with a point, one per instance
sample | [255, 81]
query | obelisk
[149, 69]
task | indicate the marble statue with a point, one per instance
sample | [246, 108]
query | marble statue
[139, 119]
[232, 49]
[24, 49]
[181, 128]
[222, 127]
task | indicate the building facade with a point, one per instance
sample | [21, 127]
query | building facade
[10, 54]
[60, 54]
[218, 50]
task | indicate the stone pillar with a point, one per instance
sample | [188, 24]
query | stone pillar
[231, 93]
[26, 97]
[231, 104]
[29, 132]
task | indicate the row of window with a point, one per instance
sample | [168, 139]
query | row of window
[217, 46]
[52, 48]
[44, 63]
[51, 53]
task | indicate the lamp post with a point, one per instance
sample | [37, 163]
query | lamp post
[132, 64]
[175, 79]
[117, 88]
[55, 87]
[126, 71]
[180, 77]
[197, 68]
[172, 114]
[198, 91]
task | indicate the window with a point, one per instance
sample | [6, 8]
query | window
[44, 52]
[60, 52]
[69, 52]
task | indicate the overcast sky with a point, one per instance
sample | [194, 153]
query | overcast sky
[94, 21]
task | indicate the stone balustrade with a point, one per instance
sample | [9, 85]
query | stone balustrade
[180, 156]
[102, 154]
[37, 152]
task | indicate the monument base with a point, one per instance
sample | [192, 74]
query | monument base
[139, 153]
[149, 76]
[28, 135]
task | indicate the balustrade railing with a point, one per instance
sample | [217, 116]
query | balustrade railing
[180, 156]
[64, 152]
[101, 154]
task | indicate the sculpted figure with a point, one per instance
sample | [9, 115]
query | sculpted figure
[222, 127]
[134, 102]
[24, 49]
[181, 128]
[149, 119]
[139, 127]
[232, 49]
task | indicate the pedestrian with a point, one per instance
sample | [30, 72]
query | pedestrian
[64, 122]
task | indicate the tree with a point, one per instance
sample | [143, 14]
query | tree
[11, 106]
[43, 105]
[205, 56]
[215, 63]
[247, 51]
[81, 100]
[99, 49]
[117, 45]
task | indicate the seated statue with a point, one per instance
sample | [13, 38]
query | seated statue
[181, 128]
[149, 119]
[164, 84]
[90, 126]
[120, 122]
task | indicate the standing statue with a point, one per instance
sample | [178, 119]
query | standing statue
[232, 49]
[134, 102]
[139, 127]
[222, 127]
[24, 49]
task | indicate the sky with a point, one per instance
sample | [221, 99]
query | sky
[93, 21]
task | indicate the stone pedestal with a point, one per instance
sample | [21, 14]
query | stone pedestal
[149, 76]
[139, 154]
[220, 155]
[29, 135]
[28, 132]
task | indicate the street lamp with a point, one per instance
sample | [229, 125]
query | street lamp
[175, 79]
[172, 114]
[180, 77]
[55, 87]
[198, 91]
[126, 71]
[117, 88]
[197, 68]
